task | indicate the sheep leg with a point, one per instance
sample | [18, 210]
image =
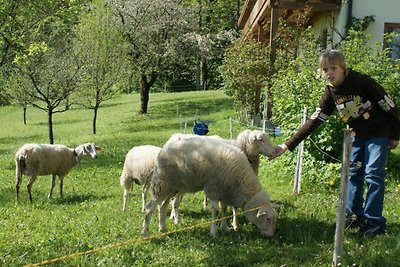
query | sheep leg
[29, 187]
[176, 202]
[224, 225]
[126, 193]
[61, 185]
[234, 219]
[214, 210]
[151, 205]
[18, 181]
[205, 200]
[144, 192]
[161, 215]
[52, 184]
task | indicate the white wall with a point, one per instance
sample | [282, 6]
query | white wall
[383, 10]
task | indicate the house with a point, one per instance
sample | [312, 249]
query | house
[330, 19]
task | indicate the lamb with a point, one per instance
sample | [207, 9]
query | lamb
[139, 162]
[252, 143]
[222, 171]
[44, 159]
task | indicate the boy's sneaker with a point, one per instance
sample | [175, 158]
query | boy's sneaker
[371, 229]
[353, 222]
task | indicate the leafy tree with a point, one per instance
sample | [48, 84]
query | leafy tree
[244, 70]
[45, 68]
[50, 76]
[101, 49]
[25, 24]
[216, 25]
[154, 30]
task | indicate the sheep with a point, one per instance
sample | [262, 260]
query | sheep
[43, 159]
[222, 171]
[139, 162]
[252, 143]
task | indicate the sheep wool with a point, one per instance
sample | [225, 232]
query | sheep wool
[222, 171]
[139, 162]
[44, 159]
[253, 143]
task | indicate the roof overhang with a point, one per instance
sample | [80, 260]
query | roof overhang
[257, 13]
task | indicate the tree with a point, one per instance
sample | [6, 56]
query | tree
[153, 29]
[101, 49]
[244, 71]
[51, 76]
[216, 25]
[26, 24]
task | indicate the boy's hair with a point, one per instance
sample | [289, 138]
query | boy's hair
[334, 57]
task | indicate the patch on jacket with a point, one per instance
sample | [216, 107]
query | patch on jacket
[386, 103]
[319, 115]
[352, 107]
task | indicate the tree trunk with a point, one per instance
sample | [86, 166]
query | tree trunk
[144, 96]
[145, 91]
[50, 122]
[96, 108]
[204, 74]
[257, 99]
[24, 114]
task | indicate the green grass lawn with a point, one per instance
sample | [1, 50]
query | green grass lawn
[90, 215]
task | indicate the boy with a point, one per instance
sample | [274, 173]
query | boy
[365, 106]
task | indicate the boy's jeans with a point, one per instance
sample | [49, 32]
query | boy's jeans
[368, 160]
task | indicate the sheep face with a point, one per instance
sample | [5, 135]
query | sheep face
[260, 144]
[88, 149]
[263, 215]
[265, 219]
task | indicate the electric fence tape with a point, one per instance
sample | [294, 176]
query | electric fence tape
[132, 241]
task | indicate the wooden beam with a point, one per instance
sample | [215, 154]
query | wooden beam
[273, 31]
[244, 16]
[291, 5]
[259, 9]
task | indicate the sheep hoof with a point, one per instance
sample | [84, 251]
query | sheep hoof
[163, 229]
[213, 234]
[144, 233]
[224, 227]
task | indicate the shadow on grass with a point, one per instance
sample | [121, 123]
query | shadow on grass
[75, 199]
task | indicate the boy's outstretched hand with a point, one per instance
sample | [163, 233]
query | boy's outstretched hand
[279, 150]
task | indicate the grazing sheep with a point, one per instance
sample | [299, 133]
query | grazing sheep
[222, 171]
[139, 162]
[43, 159]
[252, 143]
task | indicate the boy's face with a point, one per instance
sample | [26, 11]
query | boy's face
[333, 74]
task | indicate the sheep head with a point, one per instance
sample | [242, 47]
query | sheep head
[254, 143]
[263, 215]
[88, 149]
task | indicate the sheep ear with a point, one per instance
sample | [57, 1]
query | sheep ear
[261, 212]
[275, 206]
[252, 137]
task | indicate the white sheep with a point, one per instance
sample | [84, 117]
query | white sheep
[44, 159]
[139, 162]
[252, 143]
[222, 171]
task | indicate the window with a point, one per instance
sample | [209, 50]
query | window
[395, 45]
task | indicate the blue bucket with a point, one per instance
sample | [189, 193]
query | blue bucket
[200, 128]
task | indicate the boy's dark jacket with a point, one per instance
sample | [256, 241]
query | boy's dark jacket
[361, 103]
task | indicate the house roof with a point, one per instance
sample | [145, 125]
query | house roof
[256, 14]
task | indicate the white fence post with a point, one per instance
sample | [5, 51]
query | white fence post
[300, 152]
[340, 220]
